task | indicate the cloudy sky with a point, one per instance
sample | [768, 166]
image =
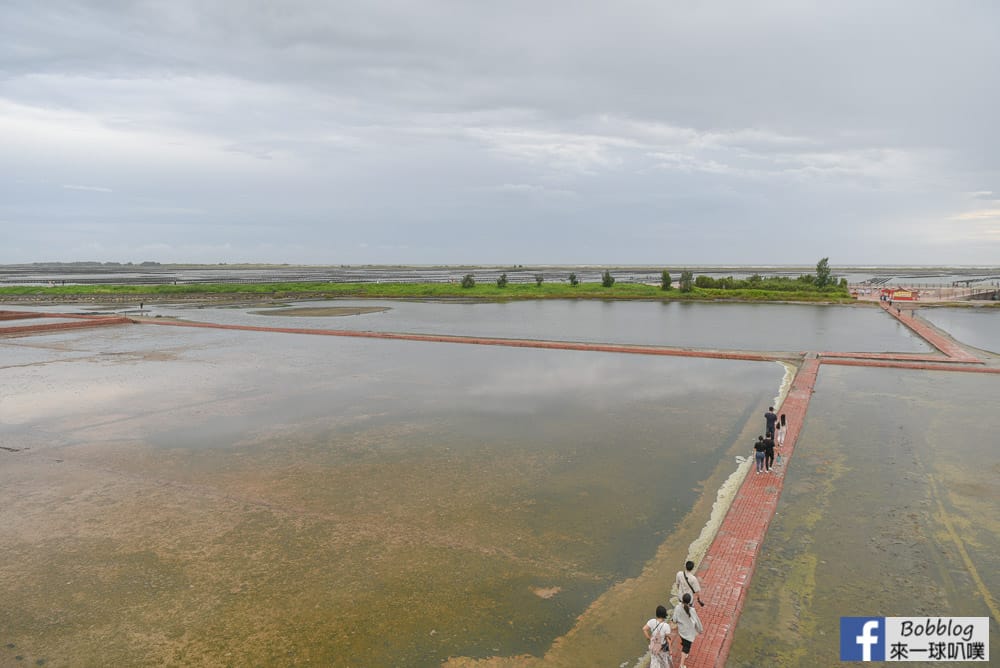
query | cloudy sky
[562, 131]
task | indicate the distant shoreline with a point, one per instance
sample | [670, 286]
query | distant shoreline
[697, 268]
[98, 283]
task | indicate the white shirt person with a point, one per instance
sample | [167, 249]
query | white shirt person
[687, 583]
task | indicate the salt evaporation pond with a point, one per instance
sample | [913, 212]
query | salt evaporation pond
[758, 327]
[891, 507]
[186, 496]
[976, 326]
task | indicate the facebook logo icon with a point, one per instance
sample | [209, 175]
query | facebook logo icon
[862, 638]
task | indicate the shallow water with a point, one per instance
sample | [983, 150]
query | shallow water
[224, 497]
[759, 327]
[979, 327]
[891, 507]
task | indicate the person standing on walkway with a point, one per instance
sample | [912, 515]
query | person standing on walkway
[768, 453]
[657, 632]
[758, 453]
[779, 433]
[770, 417]
[687, 582]
[688, 626]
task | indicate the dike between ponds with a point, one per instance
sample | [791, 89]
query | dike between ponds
[729, 563]
[80, 321]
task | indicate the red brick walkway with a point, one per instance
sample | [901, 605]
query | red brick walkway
[929, 334]
[728, 565]
[79, 321]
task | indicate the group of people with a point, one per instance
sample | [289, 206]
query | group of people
[773, 438]
[658, 630]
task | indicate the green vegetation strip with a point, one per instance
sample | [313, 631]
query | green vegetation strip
[794, 291]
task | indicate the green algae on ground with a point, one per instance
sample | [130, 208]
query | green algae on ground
[868, 503]
[789, 575]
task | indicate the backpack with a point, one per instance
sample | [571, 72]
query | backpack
[658, 646]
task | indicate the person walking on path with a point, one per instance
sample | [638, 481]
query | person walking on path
[687, 583]
[688, 626]
[759, 450]
[657, 632]
[768, 453]
[770, 417]
[779, 433]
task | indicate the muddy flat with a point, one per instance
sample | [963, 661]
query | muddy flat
[324, 311]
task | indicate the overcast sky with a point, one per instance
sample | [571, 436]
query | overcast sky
[565, 132]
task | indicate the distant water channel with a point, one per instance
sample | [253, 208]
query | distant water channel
[758, 327]
[183, 496]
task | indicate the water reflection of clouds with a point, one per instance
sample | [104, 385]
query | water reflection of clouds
[274, 378]
[979, 327]
[30, 403]
[789, 327]
[614, 379]
[102, 373]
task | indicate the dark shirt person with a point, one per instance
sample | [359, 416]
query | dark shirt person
[768, 453]
[759, 452]
[770, 417]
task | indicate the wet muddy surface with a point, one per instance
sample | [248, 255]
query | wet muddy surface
[891, 507]
[189, 497]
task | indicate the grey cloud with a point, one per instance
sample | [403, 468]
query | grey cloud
[98, 189]
[437, 131]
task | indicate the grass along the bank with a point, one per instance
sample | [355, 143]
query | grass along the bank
[483, 291]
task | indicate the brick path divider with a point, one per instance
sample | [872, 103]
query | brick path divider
[942, 365]
[491, 341]
[727, 567]
[729, 563]
[943, 343]
[80, 321]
